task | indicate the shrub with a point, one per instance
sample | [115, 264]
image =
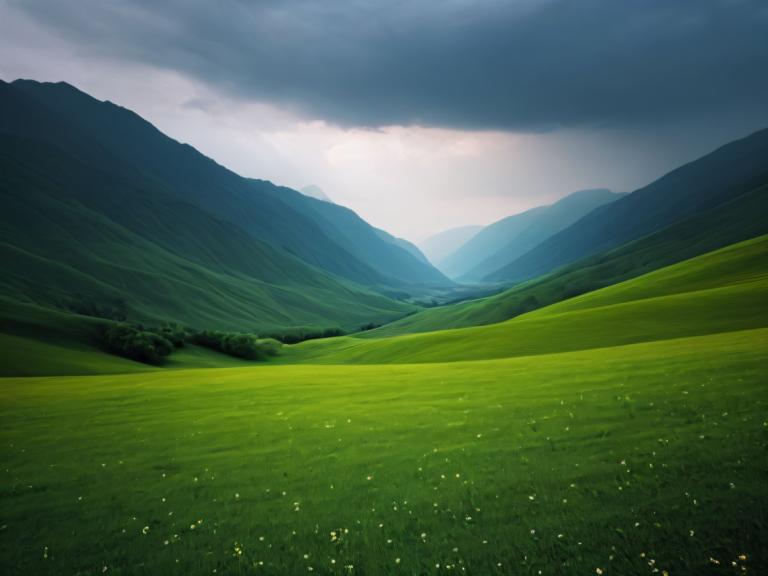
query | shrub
[175, 333]
[247, 346]
[301, 334]
[134, 342]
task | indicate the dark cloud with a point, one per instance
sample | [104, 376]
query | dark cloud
[519, 65]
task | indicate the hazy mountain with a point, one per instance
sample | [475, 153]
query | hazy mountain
[404, 244]
[105, 134]
[501, 242]
[441, 245]
[547, 222]
[315, 192]
[718, 177]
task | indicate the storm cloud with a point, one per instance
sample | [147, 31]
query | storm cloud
[504, 65]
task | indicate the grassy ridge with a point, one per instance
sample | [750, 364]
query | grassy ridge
[565, 463]
[735, 221]
[721, 291]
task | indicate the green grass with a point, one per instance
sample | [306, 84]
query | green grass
[738, 220]
[624, 459]
[37, 341]
[623, 431]
[721, 291]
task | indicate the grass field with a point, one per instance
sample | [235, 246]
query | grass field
[619, 432]
[626, 459]
[721, 291]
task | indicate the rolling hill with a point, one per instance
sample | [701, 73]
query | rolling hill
[502, 242]
[734, 221]
[720, 291]
[718, 177]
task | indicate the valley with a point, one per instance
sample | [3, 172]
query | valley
[575, 389]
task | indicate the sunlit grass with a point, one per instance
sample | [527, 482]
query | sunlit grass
[628, 460]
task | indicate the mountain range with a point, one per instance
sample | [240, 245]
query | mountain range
[104, 212]
[504, 241]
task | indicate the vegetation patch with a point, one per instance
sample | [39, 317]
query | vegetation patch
[247, 346]
[135, 342]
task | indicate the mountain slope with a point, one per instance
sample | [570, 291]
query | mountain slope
[364, 242]
[76, 237]
[439, 246]
[487, 241]
[718, 177]
[557, 216]
[315, 192]
[102, 133]
[503, 241]
[721, 291]
[735, 221]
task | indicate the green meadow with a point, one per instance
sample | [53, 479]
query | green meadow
[624, 460]
[619, 432]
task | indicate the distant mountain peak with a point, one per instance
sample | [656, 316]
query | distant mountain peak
[316, 192]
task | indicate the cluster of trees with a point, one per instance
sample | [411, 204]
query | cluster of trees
[152, 345]
[301, 334]
[135, 342]
[248, 346]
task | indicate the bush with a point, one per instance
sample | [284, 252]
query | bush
[247, 346]
[134, 342]
[174, 333]
[301, 334]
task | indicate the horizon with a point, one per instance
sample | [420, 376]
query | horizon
[391, 156]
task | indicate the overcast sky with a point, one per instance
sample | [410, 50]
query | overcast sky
[420, 115]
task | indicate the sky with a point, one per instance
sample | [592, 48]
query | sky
[419, 115]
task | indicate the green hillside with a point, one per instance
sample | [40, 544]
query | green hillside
[121, 143]
[504, 241]
[721, 291]
[710, 181]
[76, 238]
[734, 221]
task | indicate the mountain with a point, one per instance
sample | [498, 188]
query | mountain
[404, 244]
[549, 221]
[505, 240]
[315, 192]
[365, 243]
[102, 229]
[718, 177]
[738, 220]
[439, 246]
[101, 133]
[79, 238]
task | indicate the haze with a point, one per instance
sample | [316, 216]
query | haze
[419, 116]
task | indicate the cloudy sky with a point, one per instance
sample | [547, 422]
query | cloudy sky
[421, 115]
